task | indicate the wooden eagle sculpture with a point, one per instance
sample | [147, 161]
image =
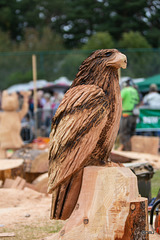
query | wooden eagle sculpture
[84, 127]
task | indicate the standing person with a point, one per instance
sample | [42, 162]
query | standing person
[130, 99]
[152, 99]
[47, 113]
[57, 102]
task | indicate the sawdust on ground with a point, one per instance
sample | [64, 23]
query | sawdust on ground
[23, 206]
[26, 207]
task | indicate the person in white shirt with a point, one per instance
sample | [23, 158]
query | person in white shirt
[152, 99]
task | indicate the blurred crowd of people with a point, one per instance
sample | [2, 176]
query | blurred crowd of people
[47, 104]
[132, 100]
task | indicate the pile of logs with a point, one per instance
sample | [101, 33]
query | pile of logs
[39, 184]
[27, 167]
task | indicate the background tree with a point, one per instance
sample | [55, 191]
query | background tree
[125, 16]
[70, 64]
[153, 13]
[140, 57]
[6, 44]
[98, 41]
[46, 63]
[133, 40]
[78, 20]
[9, 19]
[88, 17]
[41, 41]
[47, 25]
[17, 15]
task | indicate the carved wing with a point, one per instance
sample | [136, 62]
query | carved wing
[76, 129]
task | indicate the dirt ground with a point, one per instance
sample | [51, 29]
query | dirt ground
[16, 206]
[26, 213]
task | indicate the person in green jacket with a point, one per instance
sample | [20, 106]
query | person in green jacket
[130, 100]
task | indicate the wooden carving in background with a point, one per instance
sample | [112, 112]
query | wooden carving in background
[84, 127]
[10, 121]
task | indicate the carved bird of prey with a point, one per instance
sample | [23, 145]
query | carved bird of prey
[84, 127]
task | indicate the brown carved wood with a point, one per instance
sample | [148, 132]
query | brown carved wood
[85, 126]
[145, 144]
[11, 168]
[108, 208]
[10, 121]
[128, 156]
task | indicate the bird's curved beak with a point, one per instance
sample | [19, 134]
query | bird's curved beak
[120, 61]
[123, 61]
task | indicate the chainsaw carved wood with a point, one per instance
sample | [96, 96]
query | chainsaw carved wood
[84, 128]
[145, 144]
[108, 208]
[10, 121]
[11, 168]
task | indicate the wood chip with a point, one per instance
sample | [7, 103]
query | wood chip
[12, 234]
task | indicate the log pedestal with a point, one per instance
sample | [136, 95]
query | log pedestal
[109, 208]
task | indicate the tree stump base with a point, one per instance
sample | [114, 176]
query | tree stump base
[108, 208]
[11, 168]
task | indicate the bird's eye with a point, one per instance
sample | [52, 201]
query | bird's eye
[108, 54]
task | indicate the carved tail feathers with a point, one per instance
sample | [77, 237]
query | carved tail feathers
[65, 196]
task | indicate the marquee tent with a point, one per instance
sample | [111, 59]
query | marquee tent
[144, 85]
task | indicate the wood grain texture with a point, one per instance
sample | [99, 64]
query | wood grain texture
[124, 156]
[145, 144]
[11, 168]
[108, 208]
[136, 226]
[86, 123]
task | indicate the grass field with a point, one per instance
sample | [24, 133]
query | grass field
[155, 183]
[35, 231]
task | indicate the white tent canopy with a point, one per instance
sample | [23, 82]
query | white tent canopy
[62, 81]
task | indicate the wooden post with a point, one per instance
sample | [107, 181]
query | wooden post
[108, 208]
[34, 71]
[119, 74]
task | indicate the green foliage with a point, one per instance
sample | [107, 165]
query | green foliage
[88, 17]
[133, 40]
[41, 41]
[14, 69]
[153, 36]
[55, 25]
[153, 33]
[50, 40]
[78, 20]
[70, 64]
[9, 19]
[5, 42]
[35, 230]
[19, 77]
[99, 40]
[124, 16]
[155, 183]
[141, 63]
[137, 59]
